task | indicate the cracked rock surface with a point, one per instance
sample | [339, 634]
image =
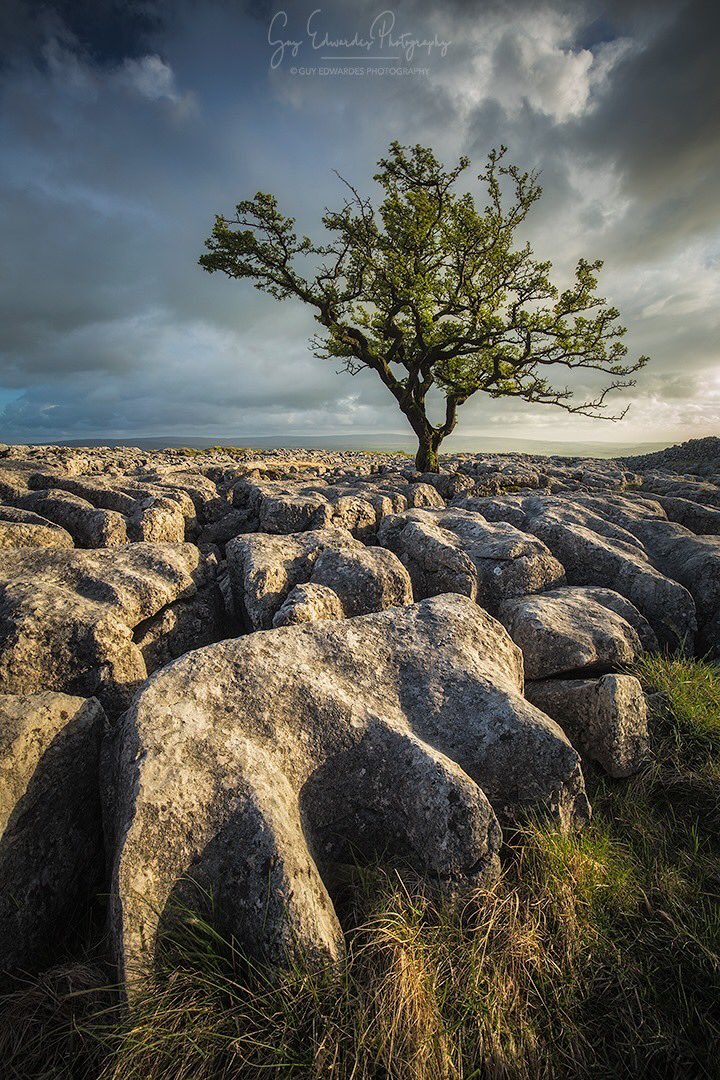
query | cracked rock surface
[67, 617]
[51, 846]
[251, 764]
[287, 660]
[565, 630]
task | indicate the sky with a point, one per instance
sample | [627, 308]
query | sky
[126, 126]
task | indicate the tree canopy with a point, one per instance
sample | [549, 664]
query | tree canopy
[429, 291]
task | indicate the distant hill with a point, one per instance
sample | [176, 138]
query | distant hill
[458, 444]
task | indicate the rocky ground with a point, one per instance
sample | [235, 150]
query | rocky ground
[225, 674]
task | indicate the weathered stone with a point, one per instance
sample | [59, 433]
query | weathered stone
[13, 486]
[434, 556]
[284, 509]
[455, 550]
[181, 626]
[226, 525]
[424, 495]
[595, 551]
[692, 489]
[100, 492]
[193, 491]
[67, 617]
[350, 512]
[704, 520]
[89, 527]
[695, 562]
[22, 528]
[264, 569]
[160, 512]
[365, 579]
[158, 521]
[277, 510]
[605, 719]
[447, 485]
[675, 551]
[252, 766]
[570, 629]
[51, 848]
[309, 603]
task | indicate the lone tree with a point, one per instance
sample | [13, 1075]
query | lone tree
[430, 292]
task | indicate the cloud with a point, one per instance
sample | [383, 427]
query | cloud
[658, 125]
[125, 126]
[150, 77]
[106, 31]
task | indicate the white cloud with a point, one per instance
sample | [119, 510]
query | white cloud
[147, 77]
[150, 77]
[527, 59]
[531, 66]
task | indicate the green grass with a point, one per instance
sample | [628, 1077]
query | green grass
[595, 955]
[692, 690]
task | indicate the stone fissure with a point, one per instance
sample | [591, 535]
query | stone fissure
[298, 655]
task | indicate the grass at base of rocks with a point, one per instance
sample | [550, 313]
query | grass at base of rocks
[595, 955]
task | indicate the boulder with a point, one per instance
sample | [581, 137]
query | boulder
[350, 512]
[264, 569]
[22, 528]
[157, 521]
[309, 603]
[424, 495]
[246, 770]
[575, 628]
[365, 579]
[51, 847]
[596, 551]
[456, 550]
[67, 618]
[605, 719]
[89, 527]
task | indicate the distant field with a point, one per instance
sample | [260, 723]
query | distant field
[391, 442]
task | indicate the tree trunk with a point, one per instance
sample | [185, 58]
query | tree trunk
[429, 437]
[426, 459]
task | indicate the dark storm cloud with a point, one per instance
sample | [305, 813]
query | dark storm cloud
[106, 30]
[659, 124]
[125, 126]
